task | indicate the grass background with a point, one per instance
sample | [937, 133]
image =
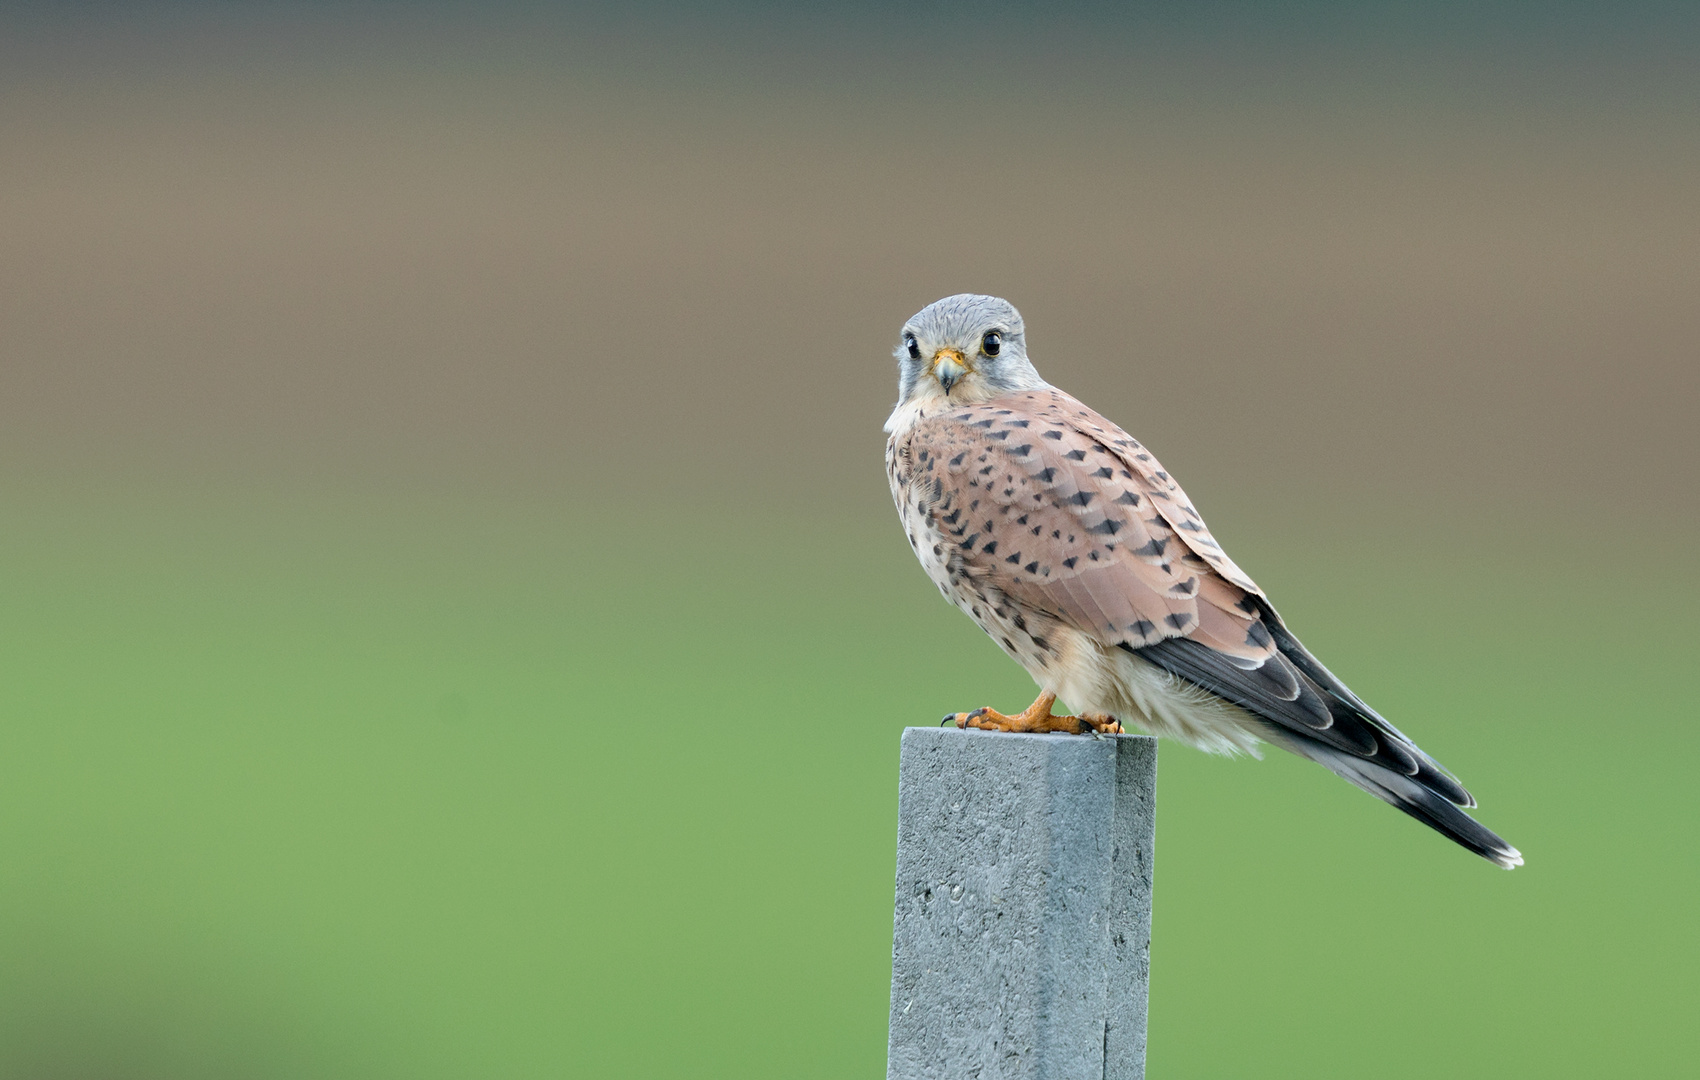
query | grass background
[451, 619]
[296, 785]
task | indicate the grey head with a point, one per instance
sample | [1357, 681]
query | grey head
[963, 349]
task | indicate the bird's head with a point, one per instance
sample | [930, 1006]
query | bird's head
[963, 349]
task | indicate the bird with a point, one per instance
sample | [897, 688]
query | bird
[1067, 542]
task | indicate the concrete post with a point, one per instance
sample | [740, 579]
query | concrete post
[1023, 927]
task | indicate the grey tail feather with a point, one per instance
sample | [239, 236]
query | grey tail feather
[1303, 708]
[1406, 793]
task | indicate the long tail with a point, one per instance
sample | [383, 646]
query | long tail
[1407, 793]
[1302, 707]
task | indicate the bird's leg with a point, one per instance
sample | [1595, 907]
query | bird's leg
[1036, 717]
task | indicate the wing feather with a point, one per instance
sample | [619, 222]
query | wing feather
[1068, 525]
[1056, 508]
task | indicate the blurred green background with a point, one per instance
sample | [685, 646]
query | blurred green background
[452, 623]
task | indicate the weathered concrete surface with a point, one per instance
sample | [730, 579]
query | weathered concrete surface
[1023, 924]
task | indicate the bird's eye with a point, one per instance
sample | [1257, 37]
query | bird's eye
[913, 346]
[992, 343]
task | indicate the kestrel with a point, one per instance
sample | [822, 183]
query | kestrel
[1067, 542]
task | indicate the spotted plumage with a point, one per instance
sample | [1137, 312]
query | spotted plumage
[1065, 540]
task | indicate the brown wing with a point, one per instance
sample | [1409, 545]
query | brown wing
[1056, 517]
[1054, 408]
[1062, 510]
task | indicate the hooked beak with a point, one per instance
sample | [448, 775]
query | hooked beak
[949, 366]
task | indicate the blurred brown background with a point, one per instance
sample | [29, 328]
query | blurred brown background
[1368, 266]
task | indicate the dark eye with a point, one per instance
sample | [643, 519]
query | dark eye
[913, 346]
[991, 343]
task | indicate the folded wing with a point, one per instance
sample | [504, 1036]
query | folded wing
[1062, 510]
